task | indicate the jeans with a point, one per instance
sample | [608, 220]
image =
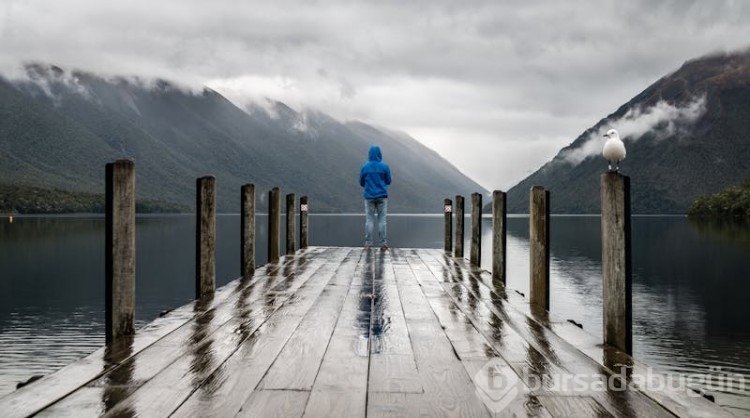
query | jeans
[376, 207]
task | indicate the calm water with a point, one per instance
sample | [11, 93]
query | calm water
[690, 283]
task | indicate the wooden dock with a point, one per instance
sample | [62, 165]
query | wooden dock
[347, 332]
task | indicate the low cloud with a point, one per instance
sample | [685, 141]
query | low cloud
[661, 121]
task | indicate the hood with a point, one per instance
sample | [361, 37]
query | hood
[375, 154]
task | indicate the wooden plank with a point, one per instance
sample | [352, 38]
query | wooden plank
[32, 398]
[346, 361]
[236, 379]
[299, 362]
[337, 403]
[274, 403]
[573, 406]
[448, 389]
[190, 355]
[546, 350]
[392, 364]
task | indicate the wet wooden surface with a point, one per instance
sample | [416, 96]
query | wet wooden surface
[348, 332]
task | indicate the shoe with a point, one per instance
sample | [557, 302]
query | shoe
[383, 247]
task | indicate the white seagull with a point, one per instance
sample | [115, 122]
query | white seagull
[614, 149]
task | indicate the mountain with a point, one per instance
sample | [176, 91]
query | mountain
[686, 136]
[58, 129]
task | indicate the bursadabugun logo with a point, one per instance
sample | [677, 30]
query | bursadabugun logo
[497, 385]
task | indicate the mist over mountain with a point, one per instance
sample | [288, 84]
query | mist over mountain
[58, 129]
[687, 135]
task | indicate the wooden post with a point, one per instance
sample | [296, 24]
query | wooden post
[448, 237]
[499, 253]
[617, 277]
[247, 230]
[274, 224]
[205, 233]
[303, 223]
[475, 254]
[458, 246]
[119, 249]
[539, 247]
[291, 245]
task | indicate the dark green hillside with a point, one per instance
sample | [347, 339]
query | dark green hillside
[35, 200]
[731, 203]
[59, 129]
[667, 173]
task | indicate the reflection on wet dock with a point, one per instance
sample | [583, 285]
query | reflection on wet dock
[349, 332]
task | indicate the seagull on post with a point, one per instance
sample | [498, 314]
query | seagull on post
[614, 149]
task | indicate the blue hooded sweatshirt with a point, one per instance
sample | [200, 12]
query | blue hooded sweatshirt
[375, 175]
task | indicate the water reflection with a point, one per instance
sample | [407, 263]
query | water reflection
[118, 384]
[201, 343]
[735, 231]
[690, 282]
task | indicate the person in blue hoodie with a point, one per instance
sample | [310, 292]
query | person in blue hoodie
[375, 176]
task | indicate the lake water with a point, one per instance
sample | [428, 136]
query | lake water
[690, 283]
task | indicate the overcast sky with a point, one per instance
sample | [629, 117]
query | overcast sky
[496, 87]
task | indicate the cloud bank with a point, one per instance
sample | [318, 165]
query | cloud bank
[661, 120]
[497, 87]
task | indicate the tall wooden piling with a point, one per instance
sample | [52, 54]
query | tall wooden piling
[475, 253]
[274, 224]
[119, 249]
[617, 277]
[291, 244]
[205, 236]
[499, 252]
[304, 208]
[539, 246]
[448, 236]
[458, 246]
[247, 230]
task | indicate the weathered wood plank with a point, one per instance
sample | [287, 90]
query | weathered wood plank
[33, 398]
[274, 403]
[547, 351]
[392, 364]
[340, 388]
[299, 361]
[351, 333]
[236, 379]
[447, 386]
[212, 338]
